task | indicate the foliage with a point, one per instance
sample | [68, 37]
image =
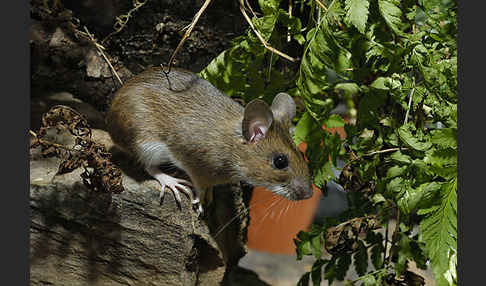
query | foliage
[394, 65]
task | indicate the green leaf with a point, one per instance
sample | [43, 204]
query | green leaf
[385, 83]
[411, 140]
[357, 13]
[225, 73]
[398, 186]
[439, 232]
[348, 88]
[334, 12]
[378, 198]
[323, 175]
[369, 280]
[269, 6]
[316, 272]
[304, 128]
[377, 255]
[405, 250]
[391, 13]
[441, 157]
[413, 198]
[395, 171]
[361, 259]
[304, 280]
[330, 269]
[400, 157]
[303, 244]
[334, 120]
[316, 243]
[379, 83]
[445, 138]
[265, 25]
[342, 265]
[451, 274]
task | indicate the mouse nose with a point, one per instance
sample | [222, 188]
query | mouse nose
[305, 194]
[304, 191]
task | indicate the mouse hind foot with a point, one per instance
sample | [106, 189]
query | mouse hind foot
[176, 186]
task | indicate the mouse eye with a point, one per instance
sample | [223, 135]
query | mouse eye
[280, 161]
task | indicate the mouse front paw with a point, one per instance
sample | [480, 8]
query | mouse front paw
[176, 186]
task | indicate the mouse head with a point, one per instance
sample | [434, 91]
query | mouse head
[274, 160]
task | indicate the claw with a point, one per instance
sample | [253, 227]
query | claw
[176, 186]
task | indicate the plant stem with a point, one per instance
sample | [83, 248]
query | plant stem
[409, 102]
[373, 153]
[395, 231]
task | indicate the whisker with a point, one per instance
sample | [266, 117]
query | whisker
[267, 212]
[271, 207]
[240, 214]
[243, 212]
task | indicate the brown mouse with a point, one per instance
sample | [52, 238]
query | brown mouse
[182, 119]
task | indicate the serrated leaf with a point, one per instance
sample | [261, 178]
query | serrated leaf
[412, 198]
[361, 259]
[439, 231]
[329, 271]
[441, 157]
[451, 274]
[322, 54]
[334, 12]
[404, 253]
[342, 265]
[304, 280]
[391, 13]
[377, 255]
[316, 272]
[445, 138]
[323, 175]
[357, 13]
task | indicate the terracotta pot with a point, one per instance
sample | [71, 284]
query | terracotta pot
[275, 221]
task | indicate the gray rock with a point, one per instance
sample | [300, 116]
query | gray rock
[79, 237]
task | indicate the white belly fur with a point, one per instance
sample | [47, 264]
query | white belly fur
[156, 153]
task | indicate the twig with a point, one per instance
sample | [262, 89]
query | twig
[100, 50]
[188, 32]
[270, 68]
[409, 104]
[373, 153]
[251, 10]
[49, 142]
[121, 21]
[290, 14]
[322, 5]
[386, 241]
[267, 46]
[394, 235]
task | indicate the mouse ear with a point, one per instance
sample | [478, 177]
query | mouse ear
[256, 121]
[283, 107]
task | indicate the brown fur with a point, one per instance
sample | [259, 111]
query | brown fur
[202, 129]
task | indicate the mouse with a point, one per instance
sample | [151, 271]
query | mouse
[179, 118]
